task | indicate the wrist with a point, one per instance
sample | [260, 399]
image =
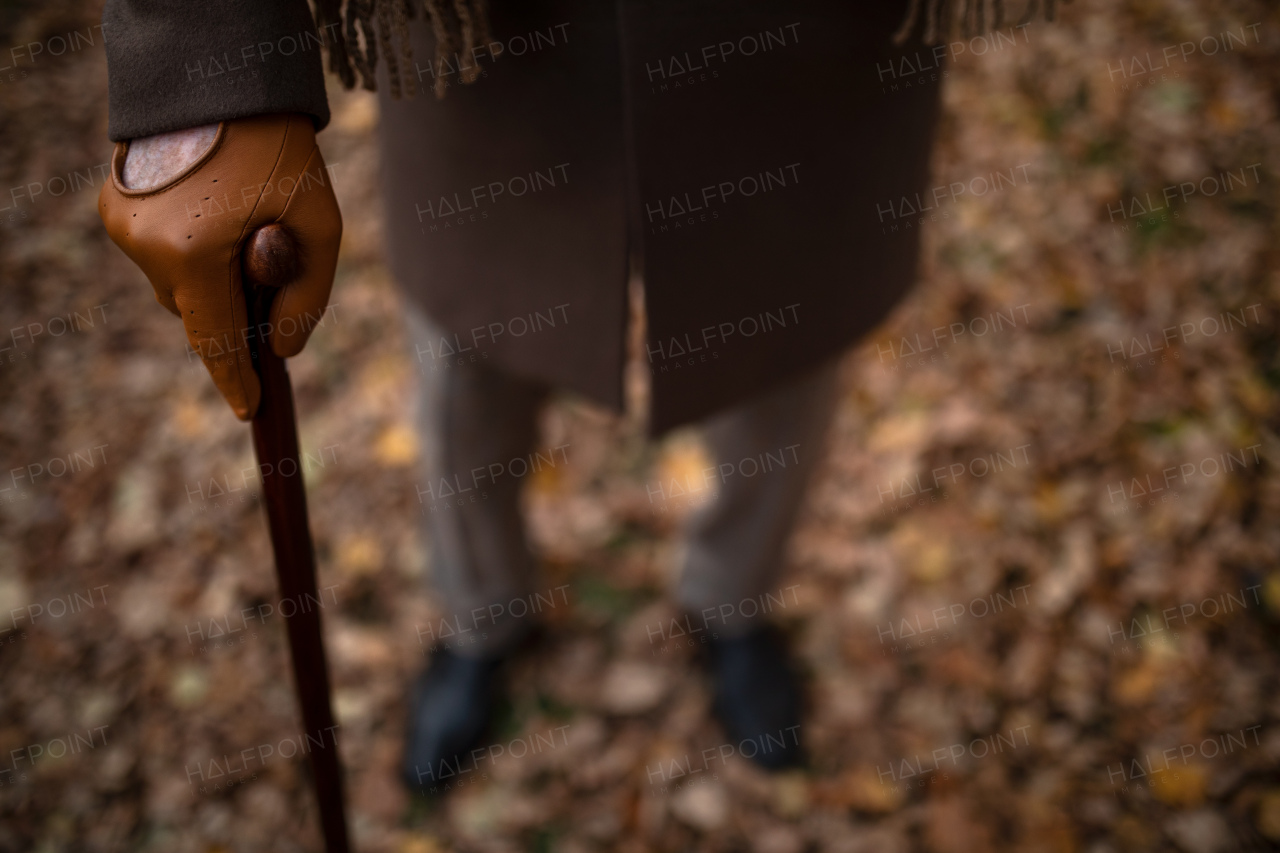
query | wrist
[152, 160]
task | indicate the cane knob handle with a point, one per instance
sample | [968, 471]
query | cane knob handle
[271, 256]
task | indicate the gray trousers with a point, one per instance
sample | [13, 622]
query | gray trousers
[478, 430]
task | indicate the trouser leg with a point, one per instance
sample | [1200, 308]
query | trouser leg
[473, 421]
[765, 450]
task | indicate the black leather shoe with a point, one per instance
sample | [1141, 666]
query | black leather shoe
[450, 708]
[758, 697]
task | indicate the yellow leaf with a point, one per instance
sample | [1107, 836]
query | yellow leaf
[1133, 834]
[1268, 817]
[188, 686]
[547, 479]
[397, 447]
[907, 431]
[190, 418]
[1137, 684]
[1253, 393]
[1048, 502]
[1224, 115]
[359, 555]
[1181, 786]
[791, 795]
[933, 562]
[864, 790]
[682, 473]
[1271, 592]
[421, 844]
[383, 380]
[925, 553]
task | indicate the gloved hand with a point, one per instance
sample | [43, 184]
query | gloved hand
[187, 235]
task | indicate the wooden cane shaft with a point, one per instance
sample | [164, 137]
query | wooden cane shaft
[275, 442]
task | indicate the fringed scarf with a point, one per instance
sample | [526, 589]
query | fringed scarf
[357, 33]
[461, 29]
[968, 17]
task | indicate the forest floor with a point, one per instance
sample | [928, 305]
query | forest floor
[1060, 646]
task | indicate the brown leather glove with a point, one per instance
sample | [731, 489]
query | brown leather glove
[187, 235]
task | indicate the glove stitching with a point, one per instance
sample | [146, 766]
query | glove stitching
[277, 305]
[232, 278]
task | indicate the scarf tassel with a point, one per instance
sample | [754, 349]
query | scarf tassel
[355, 31]
[966, 18]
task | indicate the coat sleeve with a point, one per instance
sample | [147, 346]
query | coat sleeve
[173, 64]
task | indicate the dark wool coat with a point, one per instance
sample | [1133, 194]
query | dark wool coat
[753, 152]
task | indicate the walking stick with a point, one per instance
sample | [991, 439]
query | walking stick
[270, 259]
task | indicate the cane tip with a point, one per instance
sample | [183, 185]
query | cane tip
[270, 256]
